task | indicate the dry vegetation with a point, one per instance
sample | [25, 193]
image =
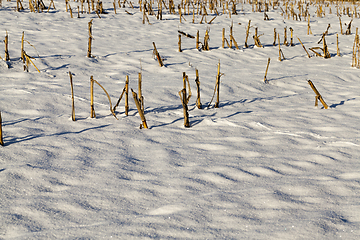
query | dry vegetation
[186, 10]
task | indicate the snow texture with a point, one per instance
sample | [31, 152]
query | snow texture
[266, 164]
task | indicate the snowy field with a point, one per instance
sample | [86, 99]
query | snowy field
[266, 164]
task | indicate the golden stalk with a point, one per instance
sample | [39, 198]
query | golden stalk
[92, 115]
[218, 87]
[202, 18]
[309, 29]
[231, 33]
[118, 102]
[267, 67]
[325, 49]
[223, 38]
[127, 96]
[31, 6]
[180, 15]
[279, 48]
[197, 81]
[337, 46]
[92, 80]
[1, 137]
[291, 36]
[355, 46]
[227, 43]
[144, 14]
[141, 113]
[72, 98]
[318, 95]
[90, 38]
[234, 41]
[139, 85]
[313, 50]
[29, 60]
[247, 34]
[184, 80]
[71, 14]
[190, 94]
[197, 40]
[212, 20]
[358, 52]
[285, 37]
[348, 30]
[304, 47]
[341, 29]
[98, 13]
[274, 43]
[256, 39]
[26, 64]
[206, 41]
[179, 43]
[182, 94]
[157, 55]
[141, 97]
[20, 5]
[7, 57]
[51, 2]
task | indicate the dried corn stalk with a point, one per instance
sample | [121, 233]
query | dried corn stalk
[318, 95]
[28, 60]
[182, 94]
[216, 89]
[247, 34]
[325, 49]
[257, 39]
[274, 43]
[291, 36]
[285, 37]
[141, 112]
[1, 137]
[348, 30]
[22, 48]
[72, 98]
[304, 47]
[197, 81]
[7, 57]
[281, 54]
[267, 67]
[90, 39]
[206, 40]
[337, 46]
[179, 43]
[157, 55]
[92, 81]
[141, 98]
[127, 96]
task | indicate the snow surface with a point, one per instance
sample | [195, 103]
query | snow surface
[267, 164]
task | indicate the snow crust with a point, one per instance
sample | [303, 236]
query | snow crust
[266, 164]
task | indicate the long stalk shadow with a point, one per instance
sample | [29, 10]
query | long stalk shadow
[8, 141]
[166, 124]
[341, 103]
[9, 123]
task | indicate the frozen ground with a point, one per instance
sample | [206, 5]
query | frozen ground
[267, 164]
